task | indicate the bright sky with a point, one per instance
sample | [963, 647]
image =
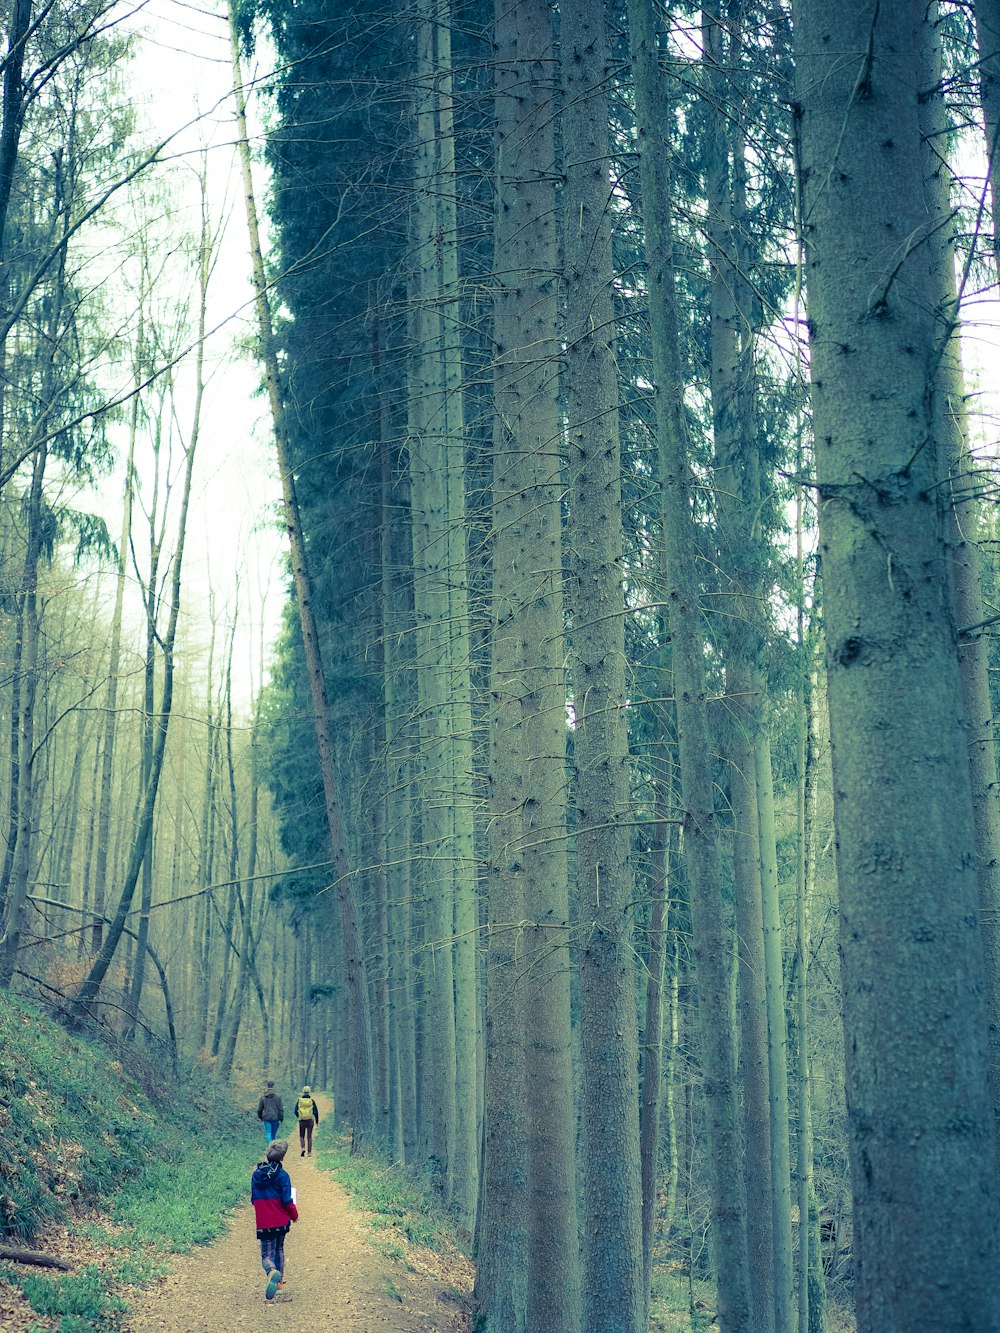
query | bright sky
[181, 77]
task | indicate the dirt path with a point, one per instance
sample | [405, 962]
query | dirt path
[335, 1279]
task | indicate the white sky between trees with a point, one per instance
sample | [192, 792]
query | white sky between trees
[180, 81]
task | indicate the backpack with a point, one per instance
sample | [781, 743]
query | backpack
[305, 1111]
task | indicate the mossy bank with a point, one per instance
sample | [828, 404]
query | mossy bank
[106, 1168]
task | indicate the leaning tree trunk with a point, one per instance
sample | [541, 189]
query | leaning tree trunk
[353, 947]
[157, 528]
[921, 1129]
[76, 1009]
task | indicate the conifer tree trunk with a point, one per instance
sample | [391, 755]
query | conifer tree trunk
[663, 856]
[395, 625]
[987, 13]
[613, 1294]
[437, 499]
[352, 943]
[428, 447]
[964, 536]
[743, 566]
[464, 1181]
[777, 1030]
[811, 1288]
[527, 1235]
[700, 834]
[912, 950]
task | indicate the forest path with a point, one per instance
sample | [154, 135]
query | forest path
[335, 1280]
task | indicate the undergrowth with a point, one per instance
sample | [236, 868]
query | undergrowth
[82, 1137]
[401, 1211]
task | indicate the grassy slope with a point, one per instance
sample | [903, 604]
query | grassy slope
[107, 1167]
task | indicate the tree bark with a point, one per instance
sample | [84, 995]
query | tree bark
[700, 833]
[987, 14]
[613, 1295]
[529, 1273]
[921, 1124]
[354, 957]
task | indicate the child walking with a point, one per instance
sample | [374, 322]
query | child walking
[275, 1210]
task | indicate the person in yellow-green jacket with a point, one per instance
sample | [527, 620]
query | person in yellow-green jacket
[307, 1114]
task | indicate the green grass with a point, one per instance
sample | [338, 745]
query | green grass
[83, 1295]
[79, 1130]
[73, 1123]
[182, 1202]
[671, 1308]
[391, 1290]
[402, 1211]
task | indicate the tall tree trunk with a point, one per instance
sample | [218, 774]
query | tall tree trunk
[964, 538]
[25, 687]
[12, 119]
[437, 497]
[63, 851]
[156, 533]
[354, 957]
[700, 833]
[612, 1225]
[75, 1010]
[229, 947]
[528, 1209]
[206, 855]
[987, 13]
[427, 443]
[80, 1006]
[912, 950]
[464, 1181]
[811, 1288]
[17, 862]
[743, 565]
[663, 855]
[395, 625]
[777, 1034]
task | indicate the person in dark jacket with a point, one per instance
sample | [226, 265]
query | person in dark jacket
[274, 1211]
[307, 1114]
[271, 1111]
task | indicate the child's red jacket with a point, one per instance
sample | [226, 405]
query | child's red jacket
[271, 1192]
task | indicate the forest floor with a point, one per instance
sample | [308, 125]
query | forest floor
[346, 1270]
[335, 1278]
